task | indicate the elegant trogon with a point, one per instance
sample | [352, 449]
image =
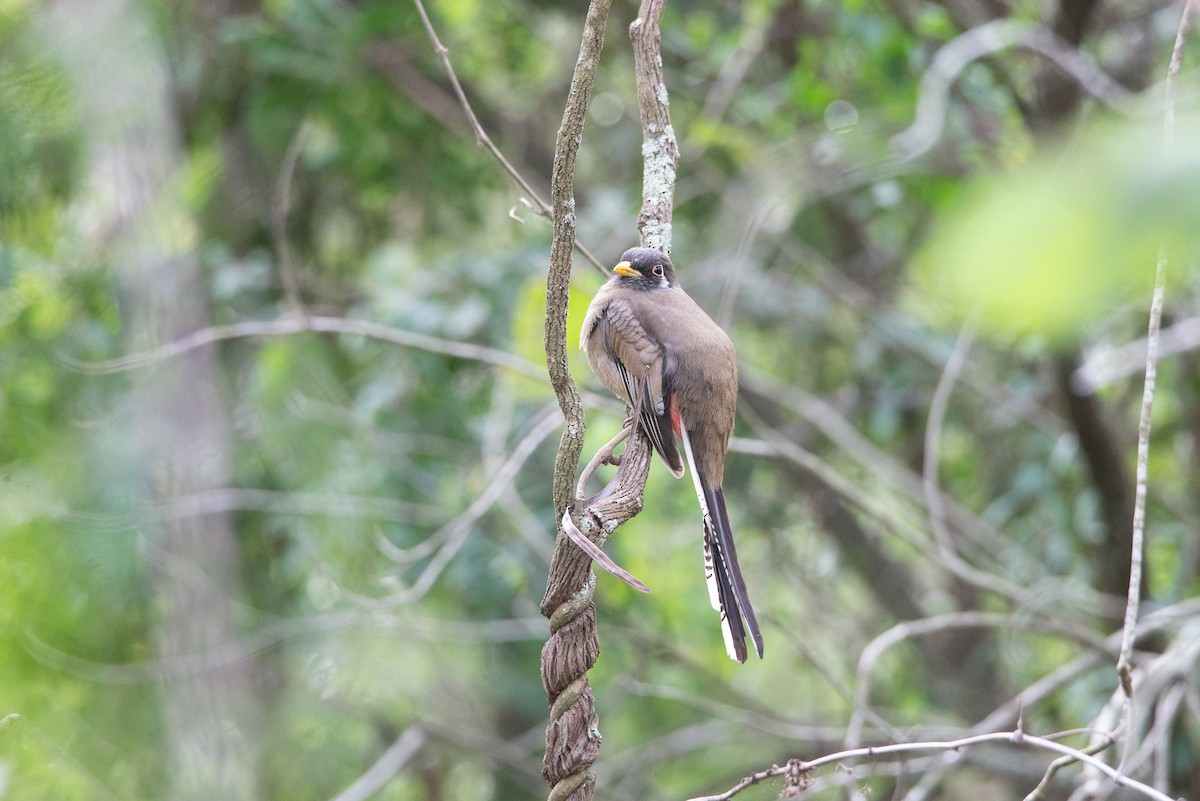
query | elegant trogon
[653, 347]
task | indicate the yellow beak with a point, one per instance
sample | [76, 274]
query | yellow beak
[624, 269]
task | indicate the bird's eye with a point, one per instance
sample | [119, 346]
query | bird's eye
[657, 270]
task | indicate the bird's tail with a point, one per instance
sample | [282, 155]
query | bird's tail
[726, 587]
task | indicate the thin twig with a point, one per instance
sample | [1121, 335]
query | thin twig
[738, 273]
[1069, 672]
[237, 651]
[1105, 365]
[740, 713]
[281, 327]
[390, 762]
[1016, 737]
[222, 500]
[456, 531]
[280, 207]
[776, 444]
[1153, 678]
[953, 620]
[1186, 20]
[933, 439]
[1124, 663]
[1124, 666]
[483, 140]
[981, 41]
[597, 555]
[882, 466]
[1054, 767]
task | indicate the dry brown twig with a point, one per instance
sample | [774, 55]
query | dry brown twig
[482, 139]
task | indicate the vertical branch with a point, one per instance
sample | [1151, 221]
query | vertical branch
[933, 439]
[660, 152]
[178, 427]
[1124, 666]
[562, 202]
[573, 737]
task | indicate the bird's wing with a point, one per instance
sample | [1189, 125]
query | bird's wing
[638, 358]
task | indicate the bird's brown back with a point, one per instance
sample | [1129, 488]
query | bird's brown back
[694, 346]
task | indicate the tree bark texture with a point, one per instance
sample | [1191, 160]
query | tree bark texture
[573, 736]
[660, 151]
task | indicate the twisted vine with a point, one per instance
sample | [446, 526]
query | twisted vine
[573, 735]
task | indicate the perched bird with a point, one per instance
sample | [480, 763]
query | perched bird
[653, 347]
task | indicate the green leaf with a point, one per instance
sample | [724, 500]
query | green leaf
[1057, 245]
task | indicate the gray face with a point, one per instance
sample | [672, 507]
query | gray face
[646, 269]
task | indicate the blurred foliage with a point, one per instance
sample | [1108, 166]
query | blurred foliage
[1062, 243]
[843, 274]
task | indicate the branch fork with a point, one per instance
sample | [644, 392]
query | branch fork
[590, 517]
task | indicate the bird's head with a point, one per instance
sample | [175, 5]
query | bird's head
[645, 268]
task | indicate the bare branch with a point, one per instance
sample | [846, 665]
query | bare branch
[792, 768]
[660, 151]
[1046, 686]
[1186, 21]
[917, 628]
[572, 738]
[220, 500]
[1039, 792]
[779, 446]
[953, 58]
[882, 466]
[1103, 366]
[603, 456]
[391, 762]
[483, 140]
[933, 439]
[1124, 663]
[455, 532]
[336, 325]
[1016, 737]
[246, 646]
[1124, 666]
[280, 207]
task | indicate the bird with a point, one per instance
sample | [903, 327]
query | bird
[653, 347]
